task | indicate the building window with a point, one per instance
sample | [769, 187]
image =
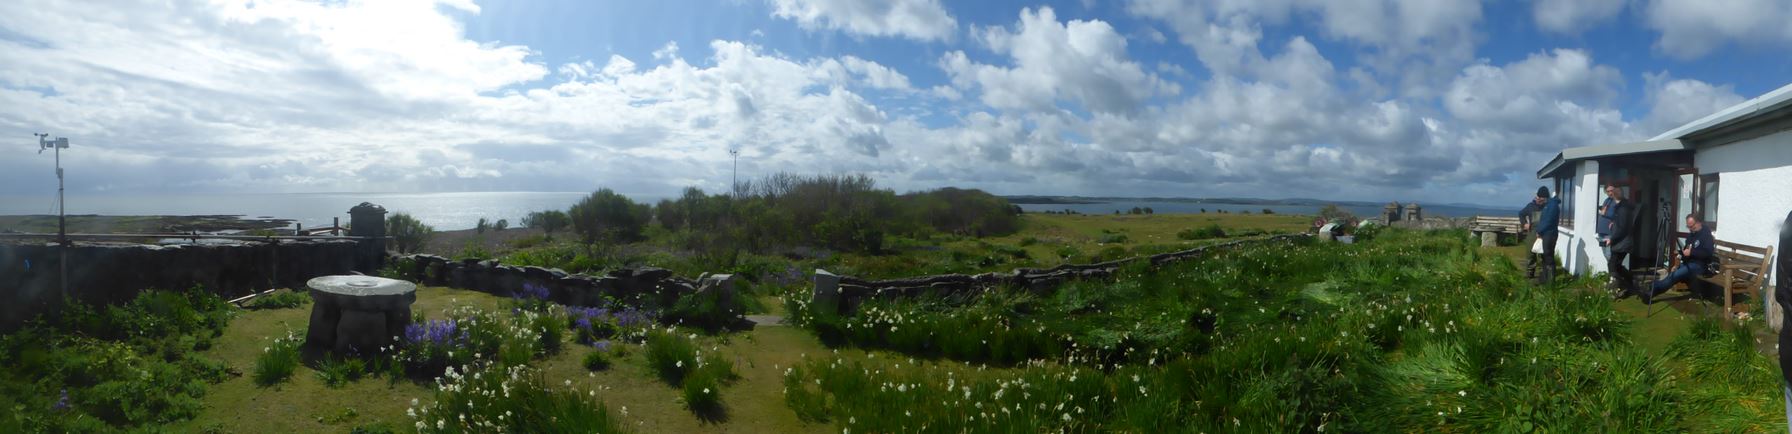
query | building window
[1708, 186]
[1565, 193]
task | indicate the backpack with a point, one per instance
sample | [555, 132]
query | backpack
[1713, 267]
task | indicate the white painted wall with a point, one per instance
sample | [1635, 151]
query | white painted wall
[1755, 188]
[1578, 248]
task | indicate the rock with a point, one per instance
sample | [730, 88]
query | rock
[651, 274]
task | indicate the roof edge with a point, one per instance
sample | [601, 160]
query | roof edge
[1778, 98]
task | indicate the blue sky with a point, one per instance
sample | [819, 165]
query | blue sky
[1427, 100]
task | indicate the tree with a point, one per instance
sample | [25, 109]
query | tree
[1267, 211]
[548, 221]
[1148, 210]
[502, 224]
[605, 216]
[482, 225]
[407, 233]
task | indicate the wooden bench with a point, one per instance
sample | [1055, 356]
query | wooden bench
[1489, 228]
[1744, 268]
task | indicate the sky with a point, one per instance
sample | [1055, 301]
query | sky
[1440, 101]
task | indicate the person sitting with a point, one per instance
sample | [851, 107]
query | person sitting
[1694, 258]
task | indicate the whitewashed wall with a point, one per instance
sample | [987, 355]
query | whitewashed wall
[1755, 187]
[1578, 248]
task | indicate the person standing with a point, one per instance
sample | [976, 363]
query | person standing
[1527, 216]
[1700, 245]
[1548, 229]
[1782, 294]
[1619, 240]
[1603, 227]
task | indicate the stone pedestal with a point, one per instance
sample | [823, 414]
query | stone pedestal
[1490, 239]
[358, 314]
[825, 298]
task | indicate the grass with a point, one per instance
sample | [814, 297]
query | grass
[278, 360]
[1379, 336]
[1413, 332]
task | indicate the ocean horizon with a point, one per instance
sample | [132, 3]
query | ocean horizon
[462, 210]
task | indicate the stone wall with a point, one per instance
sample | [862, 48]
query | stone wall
[106, 273]
[645, 286]
[846, 293]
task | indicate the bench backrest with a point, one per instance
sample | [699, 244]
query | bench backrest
[1490, 223]
[1753, 261]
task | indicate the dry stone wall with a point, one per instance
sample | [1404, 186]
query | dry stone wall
[644, 286]
[107, 273]
[843, 294]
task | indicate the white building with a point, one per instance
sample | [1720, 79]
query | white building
[1734, 167]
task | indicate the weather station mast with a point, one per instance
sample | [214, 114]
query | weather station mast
[44, 142]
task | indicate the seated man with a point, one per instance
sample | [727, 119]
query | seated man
[1693, 258]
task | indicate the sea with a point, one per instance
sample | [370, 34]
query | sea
[454, 211]
[444, 211]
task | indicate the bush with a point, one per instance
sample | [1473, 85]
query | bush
[1112, 239]
[482, 225]
[548, 221]
[335, 373]
[1208, 232]
[599, 357]
[277, 360]
[1267, 211]
[280, 300]
[502, 224]
[408, 234]
[605, 216]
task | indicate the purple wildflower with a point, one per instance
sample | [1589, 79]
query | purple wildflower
[62, 403]
[601, 346]
[531, 291]
[436, 332]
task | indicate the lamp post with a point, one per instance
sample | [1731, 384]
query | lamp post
[57, 145]
[735, 187]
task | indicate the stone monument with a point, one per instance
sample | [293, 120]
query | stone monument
[358, 314]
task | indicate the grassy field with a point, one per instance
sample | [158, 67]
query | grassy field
[1404, 332]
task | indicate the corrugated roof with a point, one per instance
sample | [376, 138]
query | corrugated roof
[1609, 150]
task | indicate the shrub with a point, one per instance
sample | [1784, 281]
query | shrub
[473, 249]
[502, 224]
[277, 360]
[1208, 232]
[548, 221]
[408, 234]
[1112, 239]
[335, 373]
[280, 300]
[599, 357]
[1267, 211]
[605, 216]
[482, 225]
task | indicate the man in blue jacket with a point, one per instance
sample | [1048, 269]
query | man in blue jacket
[1694, 258]
[1546, 228]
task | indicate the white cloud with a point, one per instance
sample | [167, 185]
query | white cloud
[1080, 61]
[1674, 102]
[1416, 43]
[1691, 28]
[914, 19]
[1573, 16]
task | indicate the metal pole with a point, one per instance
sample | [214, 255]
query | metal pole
[62, 222]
